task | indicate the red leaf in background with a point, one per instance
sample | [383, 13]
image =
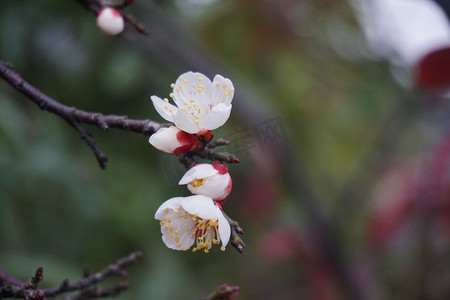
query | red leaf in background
[280, 244]
[384, 223]
[260, 196]
[393, 201]
[290, 245]
[432, 72]
[439, 182]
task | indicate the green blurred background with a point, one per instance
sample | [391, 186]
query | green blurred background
[356, 139]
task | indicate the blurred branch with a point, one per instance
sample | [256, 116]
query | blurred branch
[325, 231]
[6, 277]
[114, 269]
[95, 6]
[223, 292]
[14, 288]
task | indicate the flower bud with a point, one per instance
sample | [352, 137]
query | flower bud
[110, 21]
[211, 180]
[173, 140]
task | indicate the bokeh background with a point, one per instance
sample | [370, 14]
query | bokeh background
[344, 183]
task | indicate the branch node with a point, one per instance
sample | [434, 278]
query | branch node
[35, 279]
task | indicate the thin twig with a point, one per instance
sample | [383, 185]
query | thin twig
[12, 287]
[75, 116]
[114, 269]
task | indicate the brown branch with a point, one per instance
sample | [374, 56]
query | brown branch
[206, 152]
[75, 116]
[95, 293]
[86, 286]
[6, 277]
[114, 269]
[28, 290]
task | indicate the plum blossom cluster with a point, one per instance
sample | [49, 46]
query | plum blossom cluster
[200, 107]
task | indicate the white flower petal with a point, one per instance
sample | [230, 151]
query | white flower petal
[223, 90]
[193, 94]
[178, 233]
[197, 172]
[185, 123]
[216, 117]
[217, 187]
[165, 139]
[169, 242]
[172, 203]
[163, 108]
[187, 239]
[200, 205]
[191, 85]
[224, 229]
[182, 243]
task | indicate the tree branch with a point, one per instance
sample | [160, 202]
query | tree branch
[73, 116]
[114, 269]
[6, 277]
[15, 288]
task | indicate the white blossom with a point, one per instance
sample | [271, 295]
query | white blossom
[212, 180]
[194, 219]
[201, 105]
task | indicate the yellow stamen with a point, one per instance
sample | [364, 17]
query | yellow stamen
[196, 183]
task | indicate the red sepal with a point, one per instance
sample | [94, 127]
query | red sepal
[222, 168]
[189, 141]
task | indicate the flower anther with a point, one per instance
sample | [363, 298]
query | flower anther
[173, 140]
[212, 180]
[201, 105]
[186, 221]
[110, 21]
